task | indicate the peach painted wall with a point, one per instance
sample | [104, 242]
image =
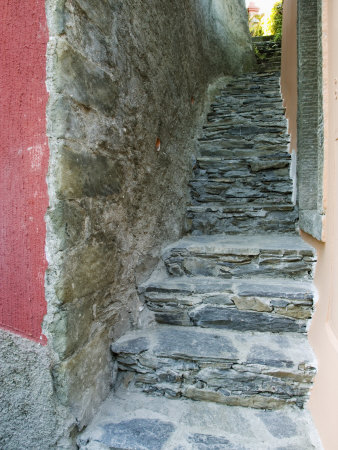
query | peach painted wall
[324, 328]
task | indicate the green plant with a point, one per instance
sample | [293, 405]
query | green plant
[255, 25]
[275, 21]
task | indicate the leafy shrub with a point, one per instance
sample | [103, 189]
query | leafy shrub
[255, 25]
[275, 21]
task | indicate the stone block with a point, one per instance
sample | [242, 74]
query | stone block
[86, 270]
[81, 173]
[143, 434]
[82, 381]
[68, 221]
[85, 82]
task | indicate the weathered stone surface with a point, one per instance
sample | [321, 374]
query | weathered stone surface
[85, 270]
[241, 257]
[254, 289]
[202, 425]
[230, 318]
[82, 174]
[230, 367]
[232, 219]
[30, 412]
[207, 441]
[82, 380]
[215, 302]
[143, 434]
[76, 76]
[113, 70]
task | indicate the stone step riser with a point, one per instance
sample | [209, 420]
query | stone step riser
[225, 318]
[227, 108]
[264, 377]
[225, 386]
[240, 264]
[230, 188]
[207, 201]
[261, 141]
[242, 177]
[265, 167]
[222, 151]
[235, 223]
[240, 194]
[230, 309]
[224, 120]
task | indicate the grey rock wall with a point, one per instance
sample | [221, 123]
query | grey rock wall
[127, 82]
[31, 417]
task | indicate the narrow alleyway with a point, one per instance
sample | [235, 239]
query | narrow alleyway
[228, 364]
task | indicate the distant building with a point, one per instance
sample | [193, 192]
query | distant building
[253, 9]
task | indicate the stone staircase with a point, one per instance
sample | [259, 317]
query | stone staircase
[228, 364]
[268, 53]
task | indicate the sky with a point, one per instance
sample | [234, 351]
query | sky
[265, 5]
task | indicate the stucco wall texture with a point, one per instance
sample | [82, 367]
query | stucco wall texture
[23, 166]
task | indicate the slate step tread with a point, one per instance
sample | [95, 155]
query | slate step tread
[280, 288]
[243, 244]
[215, 207]
[238, 368]
[132, 420]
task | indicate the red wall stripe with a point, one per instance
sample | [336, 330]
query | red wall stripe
[23, 166]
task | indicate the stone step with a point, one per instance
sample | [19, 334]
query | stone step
[247, 170]
[224, 151]
[241, 256]
[131, 420]
[253, 369]
[248, 128]
[251, 304]
[241, 218]
[220, 118]
[225, 140]
[231, 190]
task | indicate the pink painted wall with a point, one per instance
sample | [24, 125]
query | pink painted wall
[323, 333]
[324, 329]
[23, 166]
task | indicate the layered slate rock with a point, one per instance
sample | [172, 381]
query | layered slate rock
[227, 363]
[132, 420]
[268, 53]
[260, 370]
[262, 305]
[214, 218]
[241, 256]
[242, 176]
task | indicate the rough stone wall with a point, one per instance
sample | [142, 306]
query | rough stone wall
[310, 134]
[31, 417]
[127, 82]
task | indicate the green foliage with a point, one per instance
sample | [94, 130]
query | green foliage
[255, 25]
[275, 21]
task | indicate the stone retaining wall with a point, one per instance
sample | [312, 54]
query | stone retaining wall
[127, 82]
